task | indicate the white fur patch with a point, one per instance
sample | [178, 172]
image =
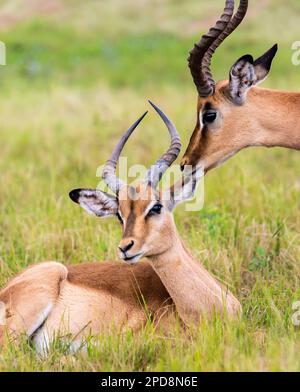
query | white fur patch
[2, 313]
[78, 345]
[42, 342]
[41, 317]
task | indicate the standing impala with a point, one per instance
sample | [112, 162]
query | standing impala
[50, 299]
[235, 114]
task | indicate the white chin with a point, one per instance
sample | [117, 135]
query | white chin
[133, 260]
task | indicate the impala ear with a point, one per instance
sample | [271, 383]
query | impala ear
[246, 73]
[263, 64]
[184, 189]
[95, 202]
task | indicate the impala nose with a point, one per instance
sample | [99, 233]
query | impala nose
[183, 163]
[125, 248]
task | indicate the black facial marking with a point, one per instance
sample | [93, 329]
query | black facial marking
[119, 218]
[204, 131]
[130, 221]
[208, 106]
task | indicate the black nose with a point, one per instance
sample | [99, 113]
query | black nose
[183, 163]
[126, 247]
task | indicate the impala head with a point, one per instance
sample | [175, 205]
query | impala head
[226, 114]
[144, 212]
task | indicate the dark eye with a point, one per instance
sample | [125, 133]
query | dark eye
[119, 217]
[155, 210]
[209, 117]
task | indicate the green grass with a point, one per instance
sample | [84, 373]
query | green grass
[74, 81]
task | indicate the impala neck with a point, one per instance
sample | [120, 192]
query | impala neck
[277, 115]
[194, 290]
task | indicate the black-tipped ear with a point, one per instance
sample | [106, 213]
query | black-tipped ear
[74, 195]
[246, 73]
[95, 202]
[263, 64]
[247, 58]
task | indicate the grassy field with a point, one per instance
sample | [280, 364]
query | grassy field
[77, 74]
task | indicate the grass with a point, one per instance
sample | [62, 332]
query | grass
[68, 91]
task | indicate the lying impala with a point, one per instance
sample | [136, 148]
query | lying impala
[50, 299]
[235, 114]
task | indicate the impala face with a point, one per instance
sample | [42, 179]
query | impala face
[145, 215]
[218, 119]
[147, 223]
[227, 112]
[144, 212]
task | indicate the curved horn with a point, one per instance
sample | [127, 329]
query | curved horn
[109, 170]
[232, 25]
[162, 164]
[201, 71]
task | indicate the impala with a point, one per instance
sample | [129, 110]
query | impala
[235, 113]
[51, 299]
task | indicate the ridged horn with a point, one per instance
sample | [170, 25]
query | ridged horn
[199, 64]
[109, 170]
[232, 25]
[163, 163]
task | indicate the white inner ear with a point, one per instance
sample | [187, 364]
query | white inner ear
[186, 191]
[98, 203]
[88, 208]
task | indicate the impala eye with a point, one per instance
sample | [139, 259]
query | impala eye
[209, 117]
[155, 210]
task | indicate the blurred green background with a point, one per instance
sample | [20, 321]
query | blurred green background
[78, 74]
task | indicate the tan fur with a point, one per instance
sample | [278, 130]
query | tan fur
[96, 297]
[29, 294]
[268, 118]
[88, 297]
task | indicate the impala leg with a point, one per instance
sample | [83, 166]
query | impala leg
[28, 299]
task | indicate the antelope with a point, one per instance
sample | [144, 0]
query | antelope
[50, 299]
[236, 113]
